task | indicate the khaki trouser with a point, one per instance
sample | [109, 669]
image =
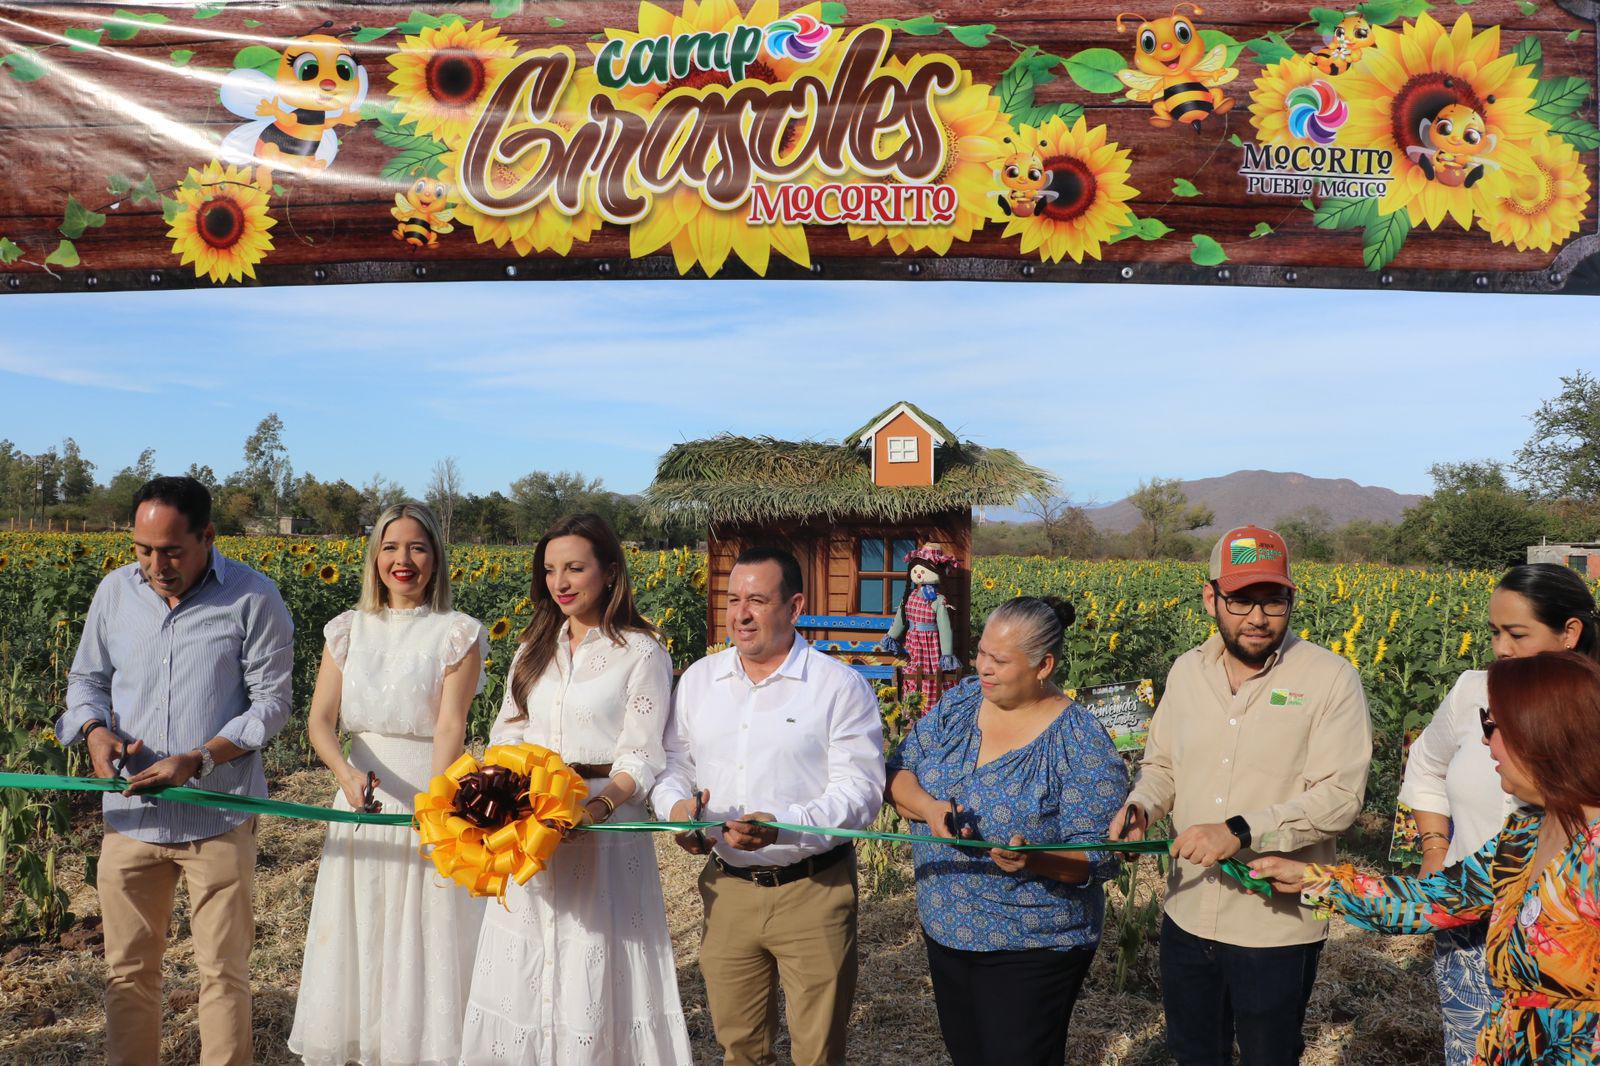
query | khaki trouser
[136, 882]
[803, 934]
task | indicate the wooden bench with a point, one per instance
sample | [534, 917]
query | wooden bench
[855, 623]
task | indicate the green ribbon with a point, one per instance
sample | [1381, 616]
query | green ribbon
[200, 797]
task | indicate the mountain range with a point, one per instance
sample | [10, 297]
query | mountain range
[1264, 496]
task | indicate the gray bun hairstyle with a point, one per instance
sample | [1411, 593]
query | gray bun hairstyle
[1040, 623]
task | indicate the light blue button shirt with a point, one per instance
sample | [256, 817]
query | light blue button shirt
[219, 664]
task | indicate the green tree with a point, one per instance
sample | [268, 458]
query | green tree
[1561, 460]
[378, 495]
[332, 506]
[77, 473]
[541, 498]
[267, 471]
[1475, 518]
[1308, 534]
[1165, 511]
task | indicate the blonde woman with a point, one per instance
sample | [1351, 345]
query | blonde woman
[389, 945]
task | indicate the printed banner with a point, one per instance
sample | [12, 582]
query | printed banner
[1391, 143]
[1124, 708]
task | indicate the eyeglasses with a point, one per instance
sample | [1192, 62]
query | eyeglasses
[1272, 607]
[1488, 722]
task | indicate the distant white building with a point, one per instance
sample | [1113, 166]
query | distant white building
[1584, 557]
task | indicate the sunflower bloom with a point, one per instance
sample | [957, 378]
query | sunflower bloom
[222, 223]
[329, 574]
[1090, 177]
[1466, 644]
[444, 73]
[973, 130]
[501, 627]
[308, 568]
[1407, 77]
[1544, 204]
[1270, 106]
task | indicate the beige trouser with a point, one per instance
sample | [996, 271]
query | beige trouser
[136, 882]
[802, 933]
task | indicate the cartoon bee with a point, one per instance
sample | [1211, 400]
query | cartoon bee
[1176, 76]
[319, 86]
[424, 213]
[1022, 174]
[1342, 48]
[1455, 147]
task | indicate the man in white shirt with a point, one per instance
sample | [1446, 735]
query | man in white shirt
[771, 730]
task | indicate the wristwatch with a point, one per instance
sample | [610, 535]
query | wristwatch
[1239, 828]
[208, 762]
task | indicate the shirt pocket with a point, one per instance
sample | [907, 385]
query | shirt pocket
[1276, 740]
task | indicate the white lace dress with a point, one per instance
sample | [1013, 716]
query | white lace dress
[389, 942]
[577, 967]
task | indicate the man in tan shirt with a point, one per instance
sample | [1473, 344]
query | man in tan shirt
[1261, 744]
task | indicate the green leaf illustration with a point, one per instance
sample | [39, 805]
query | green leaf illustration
[553, 22]
[921, 26]
[117, 185]
[1212, 38]
[1327, 18]
[1530, 53]
[1184, 187]
[169, 210]
[1527, 7]
[1207, 252]
[78, 219]
[1558, 96]
[1146, 229]
[1342, 213]
[207, 11]
[502, 8]
[834, 13]
[368, 34]
[22, 65]
[1095, 70]
[145, 192]
[10, 251]
[257, 57]
[181, 57]
[1574, 35]
[1261, 230]
[65, 255]
[1383, 12]
[251, 24]
[1233, 139]
[422, 159]
[418, 21]
[973, 36]
[1576, 132]
[86, 38]
[1383, 238]
[1269, 49]
[125, 25]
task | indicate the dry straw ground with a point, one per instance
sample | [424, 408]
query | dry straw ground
[1374, 1004]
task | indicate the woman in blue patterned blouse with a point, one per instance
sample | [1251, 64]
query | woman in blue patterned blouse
[1006, 756]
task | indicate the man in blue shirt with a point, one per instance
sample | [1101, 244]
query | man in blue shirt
[182, 676]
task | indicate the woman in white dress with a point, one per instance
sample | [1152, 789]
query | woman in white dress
[389, 944]
[577, 967]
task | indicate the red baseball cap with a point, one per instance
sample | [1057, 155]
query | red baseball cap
[1250, 555]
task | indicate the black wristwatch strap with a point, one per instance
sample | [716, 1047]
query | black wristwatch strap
[1239, 828]
[90, 726]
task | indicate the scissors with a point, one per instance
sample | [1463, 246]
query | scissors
[370, 804]
[699, 809]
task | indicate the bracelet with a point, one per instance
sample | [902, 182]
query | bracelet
[1434, 834]
[1436, 847]
[611, 807]
[89, 727]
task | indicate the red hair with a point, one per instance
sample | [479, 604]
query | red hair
[1547, 707]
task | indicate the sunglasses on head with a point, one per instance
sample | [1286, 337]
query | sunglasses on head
[1487, 721]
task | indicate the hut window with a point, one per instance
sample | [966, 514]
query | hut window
[881, 573]
[902, 449]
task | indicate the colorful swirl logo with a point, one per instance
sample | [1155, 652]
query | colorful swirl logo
[1316, 112]
[799, 37]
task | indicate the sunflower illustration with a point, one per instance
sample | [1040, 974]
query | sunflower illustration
[1089, 176]
[1406, 79]
[682, 220]
[329, 574]
[972, 126]
[1271, 105]
[443, 74]
[222, 223]
[1545, 203]
[545, 227]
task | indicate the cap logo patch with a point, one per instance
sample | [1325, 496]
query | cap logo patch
[1245, 550]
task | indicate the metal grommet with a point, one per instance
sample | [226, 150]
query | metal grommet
[816, 268]
[1385, 279]
[913, 268]
[319, 274]
[14, 281]
[511, 271]
[1126, 272]
[91, 281]
[1481, 281]
[1224, 274]
[1290, 276]
[154, 279]
[604, 268]
[1028, 271]
[420, 271]
[1555, 277]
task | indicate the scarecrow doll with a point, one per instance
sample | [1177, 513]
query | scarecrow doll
[921, 629]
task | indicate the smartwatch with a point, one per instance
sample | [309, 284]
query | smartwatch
[1239, 828]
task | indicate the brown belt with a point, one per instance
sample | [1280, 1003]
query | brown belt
[590, 769]
[773, 876]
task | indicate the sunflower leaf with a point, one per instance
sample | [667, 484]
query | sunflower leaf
[921, 26]
[125, 25]
[10, 251]
[78, 219]
[833, 13]
[86, 38]
[22, 65]
[1555, 97]
[1530, 53]
[1576, 132]
[418, 21]
[1269, 49]
[65, 255]
[396, 138]
[372, 33]
[1261, 230]
[1146, 229]
[422, 159]
[1326, 18]
[1343, 213]
[1212, 38]
[973, 36]
[145, 192]
[1206, 252]
[504, 8]
[257, 57]
[1184, 187]
[1384, 237]
[1095, 69]
[1039, 114]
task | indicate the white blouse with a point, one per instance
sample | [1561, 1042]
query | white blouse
[1449, 770]
[605, 703]
[394, 662]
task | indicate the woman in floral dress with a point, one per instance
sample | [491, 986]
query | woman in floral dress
[1537, 882]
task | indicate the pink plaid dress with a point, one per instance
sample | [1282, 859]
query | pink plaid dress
[922, 650]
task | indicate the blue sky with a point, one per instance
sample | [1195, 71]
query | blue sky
[1102, 385]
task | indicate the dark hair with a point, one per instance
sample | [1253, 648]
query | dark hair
[1557, 594]
[1041, 623]
[942, 569]
[790, 582]
[1547, 706]
[539, 638]
[184, 494]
